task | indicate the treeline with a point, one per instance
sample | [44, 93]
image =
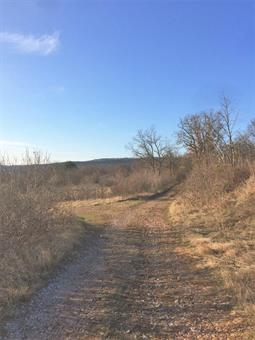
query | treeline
[209, 151]
[212, 135]
[203, 136]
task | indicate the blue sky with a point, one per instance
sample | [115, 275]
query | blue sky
[78, 78]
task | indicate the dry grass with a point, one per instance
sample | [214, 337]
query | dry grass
[101, 211]
[32, 244]
[104, 182]
[223, 234]
[35, 235]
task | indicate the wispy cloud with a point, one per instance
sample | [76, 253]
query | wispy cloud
[13, 143]
[41, 45]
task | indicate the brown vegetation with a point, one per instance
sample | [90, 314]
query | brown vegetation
[88, 182]
[35, 234]
[215, 205]
[222, 233]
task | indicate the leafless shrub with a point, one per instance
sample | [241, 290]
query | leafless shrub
[208, 182]
[141, 180]
[35, 233]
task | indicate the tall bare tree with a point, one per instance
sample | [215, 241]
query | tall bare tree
[201, 134]
[227, 123]
[149, 146]
[210, 134]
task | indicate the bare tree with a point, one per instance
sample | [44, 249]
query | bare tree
[201, 134]
[244, 147]
[148, 146]
[170, 158]
[227, 123]
[210, 134]
[245, 143]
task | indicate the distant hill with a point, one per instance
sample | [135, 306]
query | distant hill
[97, 162]
[106, 161]
[101, 162]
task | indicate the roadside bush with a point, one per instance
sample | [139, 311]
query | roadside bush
[208, 181]
[35, 234]
[141, 180]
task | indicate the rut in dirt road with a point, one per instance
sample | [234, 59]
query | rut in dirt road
[129, 283]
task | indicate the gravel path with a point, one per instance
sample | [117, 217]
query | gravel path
[129, 283]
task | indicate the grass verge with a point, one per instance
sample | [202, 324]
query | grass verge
[29, 256]
[222, 235]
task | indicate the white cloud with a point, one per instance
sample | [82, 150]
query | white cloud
[13, 143]
[41, 45]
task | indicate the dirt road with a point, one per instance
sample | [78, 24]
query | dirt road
[130, 283]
